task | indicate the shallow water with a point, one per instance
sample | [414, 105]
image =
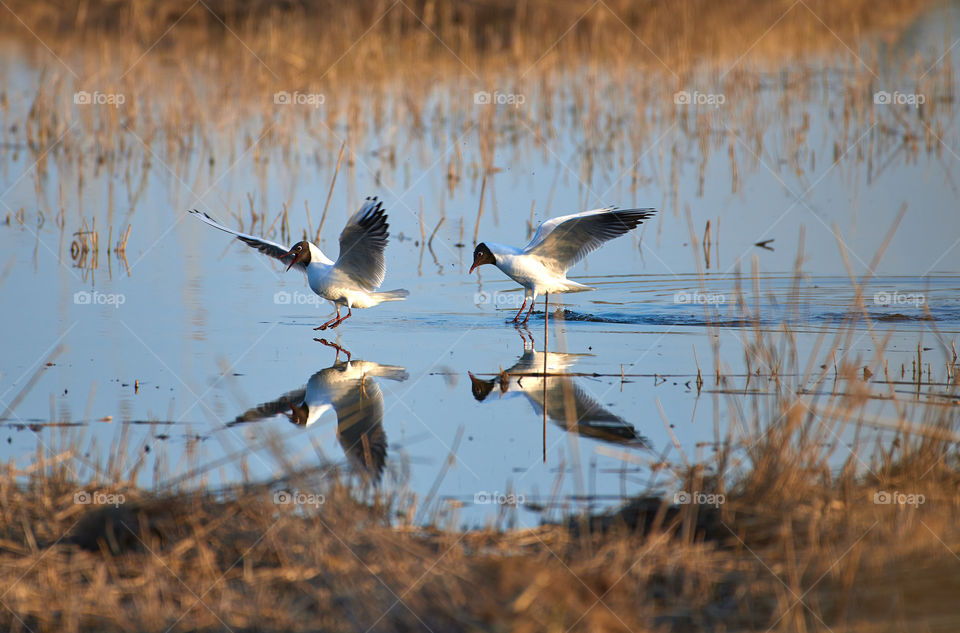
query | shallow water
[171, 346]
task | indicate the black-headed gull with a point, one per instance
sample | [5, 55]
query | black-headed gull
[567, 404]
[352, 280]
[541, 266]
[348, 389]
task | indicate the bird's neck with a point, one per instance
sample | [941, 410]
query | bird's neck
[317, 256]
[502, 249]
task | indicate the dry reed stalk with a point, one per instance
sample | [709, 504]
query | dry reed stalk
[333, 182]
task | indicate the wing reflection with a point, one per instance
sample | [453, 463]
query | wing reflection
[567, 404]
[348, 388]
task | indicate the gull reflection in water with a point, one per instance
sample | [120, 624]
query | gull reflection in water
[348, 389]
[567, 404]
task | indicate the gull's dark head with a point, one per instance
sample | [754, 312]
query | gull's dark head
[482, 255]
[299, 413]
[300, 254]
[481, 388]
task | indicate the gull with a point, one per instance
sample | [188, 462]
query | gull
[352, 280]
[541, 266]
[347, 388]
[566, 403]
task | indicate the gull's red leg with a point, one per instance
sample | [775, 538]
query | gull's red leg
[517, 318]
[526, 344]
[343, 318]
[327, 324]
[527, 318]
[336, 347]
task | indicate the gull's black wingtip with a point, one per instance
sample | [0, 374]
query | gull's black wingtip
[375, 206]
[643, 214]
[633, 217]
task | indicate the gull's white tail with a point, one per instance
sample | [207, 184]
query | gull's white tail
[572, 286]
[390, 372]
[390, 295]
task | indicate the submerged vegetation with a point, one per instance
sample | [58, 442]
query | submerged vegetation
[402, 85]
[398, 79]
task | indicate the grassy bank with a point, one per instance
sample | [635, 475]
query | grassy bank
[794, 547]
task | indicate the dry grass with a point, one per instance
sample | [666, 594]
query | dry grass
[797, 546]
[298, 40]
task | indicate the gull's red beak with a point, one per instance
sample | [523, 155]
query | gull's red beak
[292, 261]
[472, 267]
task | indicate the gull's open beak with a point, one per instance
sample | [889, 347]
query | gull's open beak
[292, 262]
